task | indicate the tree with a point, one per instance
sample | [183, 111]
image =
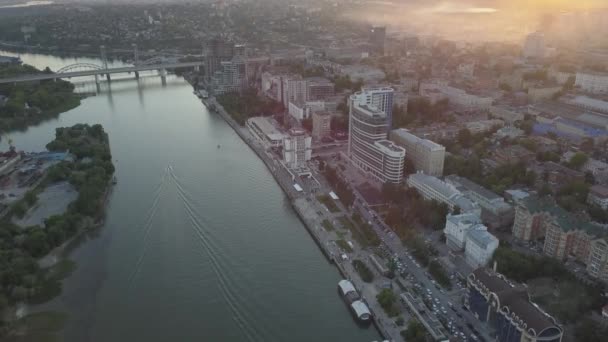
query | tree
[408, 167]
[578, 160]
[464, 137]
[415, 332]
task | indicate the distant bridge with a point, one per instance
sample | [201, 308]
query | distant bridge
[81, 69]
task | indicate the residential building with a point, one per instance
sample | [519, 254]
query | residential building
[297, 148]
[598, 195]
[542, 93]
[510, 132]
[321, 125]
[365, 73]
[528, 224]
[433, 188]
[231, 77]
[303, 110]
[368, 148]
[479, 247]
[513, 154]
[565, 235]
[506, 113]
[556, 175]
[265, 131]
[458, 98]
[597, 168]
[495, 212]
[458, 226]
[217, 51]
[426, 155]
[506, 308]
[592, 82]
[272, 84]
[483, 126]
[534, 46]
[597, 264]
[294, 90]
[588, 103]
[319, 88]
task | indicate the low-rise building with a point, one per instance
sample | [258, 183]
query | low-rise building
[366, 73]
[597, 168]
[265, 131]
[426, 155]
[506, 308]
[479, 248]
[433, 188]
[513, 154]
[303, 110]
[542, 93]
[507, 113]
[483, 126]
[495, 212]
[510, 132]
[598, 195]
[458, 226]
[592, 82]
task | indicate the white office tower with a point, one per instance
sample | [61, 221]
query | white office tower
[381, 98]
[368, 148]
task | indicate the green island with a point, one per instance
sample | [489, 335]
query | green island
[85, 174]
[28, 103]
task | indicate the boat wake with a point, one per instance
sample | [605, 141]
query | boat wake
[226, 285]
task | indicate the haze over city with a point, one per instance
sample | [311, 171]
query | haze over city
[317, 170]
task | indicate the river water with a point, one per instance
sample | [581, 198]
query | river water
[199, 244]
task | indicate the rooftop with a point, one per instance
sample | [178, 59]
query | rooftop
[264, 125]
[390, 146]
[565, 220]
[599, 191]
[406, 134]
[514, 297]
[474, 187]
[481, 237]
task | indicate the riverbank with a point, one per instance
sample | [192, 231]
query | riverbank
[47, 224]
[301, 203]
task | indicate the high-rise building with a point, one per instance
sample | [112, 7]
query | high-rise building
[534, 46]
[294, 90]
[321, 125]
[381, 98]
[377, 39]
[368, 148]
[297, 149]
[426, 155]
[231, 77]
[217, 51]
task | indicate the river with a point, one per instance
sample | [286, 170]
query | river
[200, 243]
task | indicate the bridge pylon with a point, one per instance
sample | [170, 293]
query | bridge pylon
[104, 57]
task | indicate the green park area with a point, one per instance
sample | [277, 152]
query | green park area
[32, 102]
[364, 272]
[89, 173]
[329, 203]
